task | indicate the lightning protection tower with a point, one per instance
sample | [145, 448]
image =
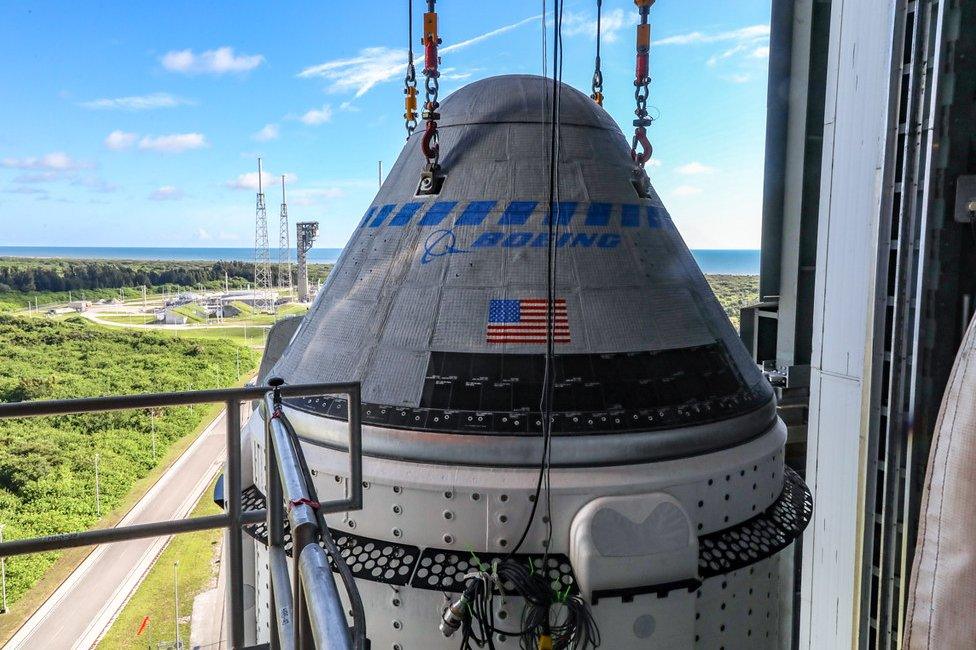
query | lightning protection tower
[284, 249]
[307, 230]
[263, 298]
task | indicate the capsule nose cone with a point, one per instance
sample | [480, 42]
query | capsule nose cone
[440, 304]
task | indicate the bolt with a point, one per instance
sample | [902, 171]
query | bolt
[397, 509]
[448, 539]
[397, 532]
[448, 515]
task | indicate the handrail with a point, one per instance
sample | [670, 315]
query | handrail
[326, 618]
[284, 628]
[318, 617]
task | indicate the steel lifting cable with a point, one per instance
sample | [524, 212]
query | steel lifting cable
[597, 95]
[410, 81]
[430, 144]
[640, 148]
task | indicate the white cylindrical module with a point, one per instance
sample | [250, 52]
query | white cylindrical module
[668, 507]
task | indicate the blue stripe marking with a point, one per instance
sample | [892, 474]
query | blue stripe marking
[475, 212]
[654, 216]
[405, 214]
[598, 214]
[369, 213]
[564, 212]
[437, 212]
[517, 213]
[382, 215]
[629, 215]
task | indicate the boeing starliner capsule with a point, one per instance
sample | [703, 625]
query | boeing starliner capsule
[669, 508]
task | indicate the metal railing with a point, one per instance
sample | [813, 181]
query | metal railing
[317, 600]
[308, 614]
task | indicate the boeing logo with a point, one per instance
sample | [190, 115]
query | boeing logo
[454, 214]
[444, 242]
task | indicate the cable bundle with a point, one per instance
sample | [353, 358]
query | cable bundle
[550, 620]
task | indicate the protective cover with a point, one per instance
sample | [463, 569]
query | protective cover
[942, 601]
[437, 304]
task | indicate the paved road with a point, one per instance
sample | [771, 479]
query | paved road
[83, 607]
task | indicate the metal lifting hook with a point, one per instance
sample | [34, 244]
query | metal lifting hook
[430, 144]
[640, 139]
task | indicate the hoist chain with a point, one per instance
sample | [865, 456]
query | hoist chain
[640, 147]
[597, 95]
[430, 144]
[410, 81]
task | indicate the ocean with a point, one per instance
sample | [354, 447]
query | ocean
[712, 261]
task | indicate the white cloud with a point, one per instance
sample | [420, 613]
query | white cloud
[360, 73]
[27, 190]
[173, 143]
[375, 65]
[96, 184]
[203, 234]
[694, 168]
[249, 181]
[54, 161]
[39, 177]
[348, 106]
[314, 196]
[451, 74]
[744, 50]
[317, 116]
[754, 32]
[119, 140]
[686, 190]
[166, 193]
[219, 61]
[576, 24]
[137, 102]
[654, 162]
[484, 37]
[267, 133]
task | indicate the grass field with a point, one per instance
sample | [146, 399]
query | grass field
[252, 337]
[129, 319]
[198, 557]
[734, 291]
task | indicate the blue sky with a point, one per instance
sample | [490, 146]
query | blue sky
[138, 124]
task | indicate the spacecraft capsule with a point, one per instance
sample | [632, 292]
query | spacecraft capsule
[671, 509]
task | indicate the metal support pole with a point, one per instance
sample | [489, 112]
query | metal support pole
[327, 620]
[235, 550]
[176, 602]
[98, 496]
[282, 610]
[3, 575]
[122, 533]
[302, 536]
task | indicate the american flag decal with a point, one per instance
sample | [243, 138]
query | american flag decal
[524, 321]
